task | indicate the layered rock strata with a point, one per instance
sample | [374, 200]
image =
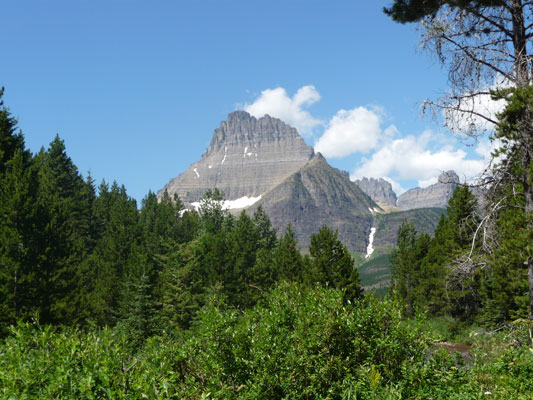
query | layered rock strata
[436, 195]
[246, 158]
[379, 190]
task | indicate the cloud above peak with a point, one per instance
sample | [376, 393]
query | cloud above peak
[359, 136]
[413, 158]
[292, 110]
[350, 131]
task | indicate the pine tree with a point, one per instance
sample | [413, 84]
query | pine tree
[11, 140]
[286, 259]
[484, 43]
[140, 319]
[17, 240]
[63, 225]
[504, 284]
[429, 273]
[114, 255]
[263, 224]
[331, 263]
[18, 184]
[182, 287]
[405, 264]
[211, 211]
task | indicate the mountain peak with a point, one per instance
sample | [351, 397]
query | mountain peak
[436, 195]
[238, 115]
[246, 157]
[378, 189]
[449, 177]
[241, 128]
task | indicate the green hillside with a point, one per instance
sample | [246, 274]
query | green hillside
[424, 219]
[375, 274]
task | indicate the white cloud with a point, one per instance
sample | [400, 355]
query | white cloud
[473, 107]
[410, 157]
[391, 131]
[350, 131]
[469, 121]
[395, 157]
[277, 103]
[428, 182]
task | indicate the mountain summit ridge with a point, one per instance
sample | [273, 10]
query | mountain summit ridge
[247, 157]
[436, 195]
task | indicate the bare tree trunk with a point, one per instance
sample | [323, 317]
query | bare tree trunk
[520, 44]
[528, 208]
[526, 134]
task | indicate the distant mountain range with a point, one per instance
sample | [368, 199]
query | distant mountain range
[436, 195]
[265, 162]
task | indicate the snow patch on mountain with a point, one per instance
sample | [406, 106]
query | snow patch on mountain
[370, 248]
[242, 202]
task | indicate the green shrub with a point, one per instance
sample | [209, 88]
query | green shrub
[298, 343]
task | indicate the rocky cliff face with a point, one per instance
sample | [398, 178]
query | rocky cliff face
[246, 158]
[318, 195]
[436, 195]
[379, 190]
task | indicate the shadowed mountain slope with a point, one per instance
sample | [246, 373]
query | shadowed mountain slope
[318, 195]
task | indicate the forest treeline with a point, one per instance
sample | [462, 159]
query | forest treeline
[73, 253]
[453, 274]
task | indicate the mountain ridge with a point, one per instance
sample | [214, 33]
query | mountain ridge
[265, 162]
[316, 195]
[247, 156]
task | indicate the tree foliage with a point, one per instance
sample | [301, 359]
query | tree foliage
[428, 272]
[486, 46]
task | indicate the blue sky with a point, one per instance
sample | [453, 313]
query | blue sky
[136, 88]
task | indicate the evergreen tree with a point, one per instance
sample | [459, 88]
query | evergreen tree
[114, 256]
[286, 259]
[331, 263]
[211, 211]
[430, 274]
[487, 41]
[504, 285]
[241, 279]
[182, 287]
[140, 318]
[405, 261]
[508, 278]
[11, 139]
[267, 235]
[18, 185]
[17, 240]
[63, 225]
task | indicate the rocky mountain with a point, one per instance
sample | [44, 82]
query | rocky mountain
[379, 190]
[436, 195]
[317, 195]
[265, 162]
[246, 158]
